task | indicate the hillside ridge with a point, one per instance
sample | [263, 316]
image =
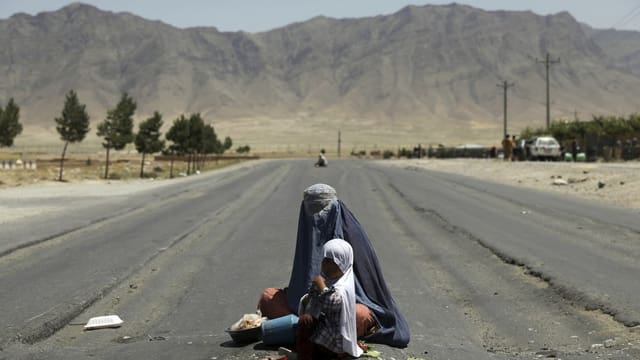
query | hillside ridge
[424, 71]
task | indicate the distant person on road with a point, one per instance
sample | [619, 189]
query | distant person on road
[322, 160]
[507, 148]
[514, 148]
[322, 218]
[327, 323]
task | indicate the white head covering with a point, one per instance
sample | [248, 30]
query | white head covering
[341, 253]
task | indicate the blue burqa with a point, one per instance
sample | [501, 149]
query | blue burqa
[336, 221]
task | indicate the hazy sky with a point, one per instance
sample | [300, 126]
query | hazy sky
[261, 15]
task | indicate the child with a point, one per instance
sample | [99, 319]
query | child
[327, 323]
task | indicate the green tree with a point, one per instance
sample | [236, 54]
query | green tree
[195, 143]
[560, 131]
[178, 134]
[616, 127]
[577, 130]
[117, 128]
[171, 152]
[634, 122]
[10, 126]
[221, 147]
[529, 132]
[243, 149]
[227, 144]
[72, 125]
[210, 141]
[148, 138]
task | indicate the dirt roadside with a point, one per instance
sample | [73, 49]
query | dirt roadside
[616, 184]
[38, 196]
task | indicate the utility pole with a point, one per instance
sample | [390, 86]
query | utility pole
[505, 86]
[547, 64]
[339, 143]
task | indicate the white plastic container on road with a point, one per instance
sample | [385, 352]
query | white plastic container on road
[101, 322]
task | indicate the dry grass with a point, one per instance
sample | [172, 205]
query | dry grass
[301, 135]
[92, 169]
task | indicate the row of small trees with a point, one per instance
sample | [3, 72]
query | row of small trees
[190, 136]
[611, 128]
[195, 139]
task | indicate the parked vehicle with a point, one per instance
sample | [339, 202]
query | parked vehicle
[543, 148]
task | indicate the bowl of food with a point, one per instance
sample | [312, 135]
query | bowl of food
[245, 336]
[247, 330]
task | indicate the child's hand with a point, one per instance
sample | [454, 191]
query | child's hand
[319, 282]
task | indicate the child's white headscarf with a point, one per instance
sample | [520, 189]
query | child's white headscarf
[341, 253]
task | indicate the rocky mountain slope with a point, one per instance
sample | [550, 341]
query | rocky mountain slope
[426, 72]
[622, 46]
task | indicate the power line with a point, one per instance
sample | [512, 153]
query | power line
[629, 20]
[628, 17]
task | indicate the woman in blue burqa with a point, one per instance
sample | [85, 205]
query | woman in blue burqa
[323, 217]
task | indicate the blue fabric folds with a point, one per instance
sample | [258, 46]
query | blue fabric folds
[337, 221]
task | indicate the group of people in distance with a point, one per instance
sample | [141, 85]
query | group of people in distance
[508, 145]
[336, 286]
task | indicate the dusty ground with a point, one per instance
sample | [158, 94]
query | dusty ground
[81, 180]
[621, 180]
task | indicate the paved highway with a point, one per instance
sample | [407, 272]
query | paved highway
[480, 270]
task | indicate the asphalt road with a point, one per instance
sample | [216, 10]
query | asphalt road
[480, 270]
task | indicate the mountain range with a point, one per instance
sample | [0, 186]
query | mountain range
[425, 74]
